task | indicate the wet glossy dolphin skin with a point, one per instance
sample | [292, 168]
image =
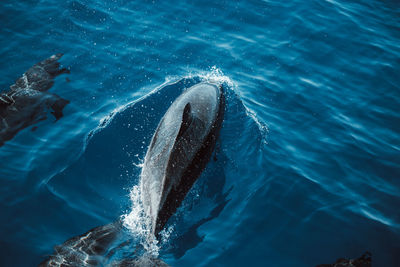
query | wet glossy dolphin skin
[28, 100]
[179, 151]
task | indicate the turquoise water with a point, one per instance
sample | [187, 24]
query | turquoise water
[307, 168]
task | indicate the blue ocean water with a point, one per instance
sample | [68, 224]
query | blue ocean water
[307, 168]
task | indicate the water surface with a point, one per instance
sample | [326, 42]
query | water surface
[307, 168]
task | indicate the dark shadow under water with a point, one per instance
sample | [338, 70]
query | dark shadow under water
[28, 100]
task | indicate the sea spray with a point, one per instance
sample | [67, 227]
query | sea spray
[138, 223]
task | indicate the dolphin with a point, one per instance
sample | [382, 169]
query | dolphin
[178, 152]
[28, 100]
[364, 261]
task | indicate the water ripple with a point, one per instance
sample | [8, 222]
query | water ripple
[309, 147]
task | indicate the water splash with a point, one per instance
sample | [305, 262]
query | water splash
[138, 223]
[106, 120]
[215, 75]
[136, 220]
[262, 127]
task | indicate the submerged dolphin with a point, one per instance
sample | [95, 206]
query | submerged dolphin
[27, 102]
[179, 151]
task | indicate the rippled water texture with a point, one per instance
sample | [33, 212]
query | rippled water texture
[307, 168]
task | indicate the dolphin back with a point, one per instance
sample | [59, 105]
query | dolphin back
[28, 102]
[179, 151]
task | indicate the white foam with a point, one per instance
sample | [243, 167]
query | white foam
[139, 224]
[263, 128]
[215, 75]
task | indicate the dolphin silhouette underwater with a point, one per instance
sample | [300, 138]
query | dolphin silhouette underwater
[179, 151]
[28, 100]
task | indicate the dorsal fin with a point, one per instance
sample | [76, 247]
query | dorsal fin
[187, 119]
